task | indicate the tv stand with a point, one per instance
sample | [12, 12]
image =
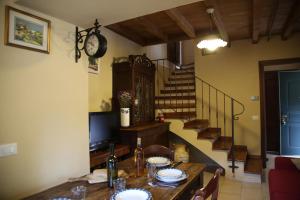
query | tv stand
[99, 157]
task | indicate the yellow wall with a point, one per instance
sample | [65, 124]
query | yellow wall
[235, 71]
[188, 53]
[44, 108]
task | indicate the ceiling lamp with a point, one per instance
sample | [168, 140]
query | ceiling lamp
[211, 42]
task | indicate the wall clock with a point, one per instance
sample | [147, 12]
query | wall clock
[91, 41]
[95, 45]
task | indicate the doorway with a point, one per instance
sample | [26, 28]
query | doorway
[279, 130]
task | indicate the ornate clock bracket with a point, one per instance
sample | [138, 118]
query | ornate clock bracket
[80, 35]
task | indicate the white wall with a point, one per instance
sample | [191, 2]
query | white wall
[154, 52]
[44, 109]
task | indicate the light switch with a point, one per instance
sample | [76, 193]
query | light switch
[8, 149]
[254, 98]
[254, 117]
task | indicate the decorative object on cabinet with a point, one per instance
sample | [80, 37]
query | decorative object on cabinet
[94, 45]
[94, 65]
[125, 100]
[181, 153]
[27, 31]
[137, 76]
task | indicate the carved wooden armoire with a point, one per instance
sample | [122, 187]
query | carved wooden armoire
[136, 75]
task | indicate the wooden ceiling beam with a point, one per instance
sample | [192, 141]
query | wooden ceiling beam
[256, 16]
[151, 28]
[272, 18]
[291, 20]
[127, 32]
[217, 18]
[181, 22]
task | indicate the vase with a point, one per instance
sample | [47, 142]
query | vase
[181, 153]
[125, 117]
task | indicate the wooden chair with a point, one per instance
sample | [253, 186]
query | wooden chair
[212, 188]
[158, 150]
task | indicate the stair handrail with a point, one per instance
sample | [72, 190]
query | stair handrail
[227, 95]
[233, 101]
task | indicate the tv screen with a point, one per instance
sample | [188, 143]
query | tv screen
[104, 128]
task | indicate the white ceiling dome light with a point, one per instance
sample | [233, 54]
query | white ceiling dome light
[211, 42]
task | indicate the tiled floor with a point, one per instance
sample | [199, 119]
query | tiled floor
[236, 190]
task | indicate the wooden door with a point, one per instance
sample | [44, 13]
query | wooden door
[290, 112]
[272, 111]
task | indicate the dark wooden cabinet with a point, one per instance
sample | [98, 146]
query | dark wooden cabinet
[151, 133]
[99, 157]
[136, 75]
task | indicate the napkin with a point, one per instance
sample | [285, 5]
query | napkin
[100, 176]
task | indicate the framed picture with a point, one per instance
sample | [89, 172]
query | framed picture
[94, 65]
[27, 31]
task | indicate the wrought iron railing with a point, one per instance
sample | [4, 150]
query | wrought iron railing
[179, 90]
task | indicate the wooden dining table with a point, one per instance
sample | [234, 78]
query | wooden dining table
[100, 191]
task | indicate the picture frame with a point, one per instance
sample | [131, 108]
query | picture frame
[27, 31]
[94, 67]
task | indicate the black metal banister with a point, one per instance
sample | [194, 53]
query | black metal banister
[179, 90]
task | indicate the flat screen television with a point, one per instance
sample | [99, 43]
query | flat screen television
[103, 128]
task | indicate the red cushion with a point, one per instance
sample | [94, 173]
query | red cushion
[284, 163]
[284, 185]
[284, 196]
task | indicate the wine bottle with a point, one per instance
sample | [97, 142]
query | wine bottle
[139, 158]
[111, 164]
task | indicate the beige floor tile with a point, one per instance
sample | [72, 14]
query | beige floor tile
[230, 186]
[232, 189]
[252, 193]
[228, 196]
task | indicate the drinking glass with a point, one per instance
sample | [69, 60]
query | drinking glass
[119, 184]
[79, 192]
[151, 171]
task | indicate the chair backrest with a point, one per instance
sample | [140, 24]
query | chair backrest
[158, 150]
[212, 188]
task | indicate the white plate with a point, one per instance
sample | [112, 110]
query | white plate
[172, 180]
[158, 160]
[132, 194]
[170, 173]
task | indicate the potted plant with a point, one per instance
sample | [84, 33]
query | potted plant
[125, 103]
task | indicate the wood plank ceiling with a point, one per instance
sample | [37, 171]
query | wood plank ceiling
[233, 20]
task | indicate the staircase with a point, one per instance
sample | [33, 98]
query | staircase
[205, 117]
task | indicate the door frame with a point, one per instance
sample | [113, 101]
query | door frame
[261, 65]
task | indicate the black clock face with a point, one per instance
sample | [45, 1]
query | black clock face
[92, 44]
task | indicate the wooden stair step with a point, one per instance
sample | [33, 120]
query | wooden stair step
[185, 97]
[184, 70]
[197, 124]
[240, 153]
[179, 115]
[253, 165]
[183, 73]
[174, 106]
[209, 133]
[177, 91]
[179, 84]
[186, 67]
[182, 78]
[222, 143]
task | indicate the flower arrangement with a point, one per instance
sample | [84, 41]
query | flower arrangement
[124, 99]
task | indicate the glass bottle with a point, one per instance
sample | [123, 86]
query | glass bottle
[139, 158]
[111, 164]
